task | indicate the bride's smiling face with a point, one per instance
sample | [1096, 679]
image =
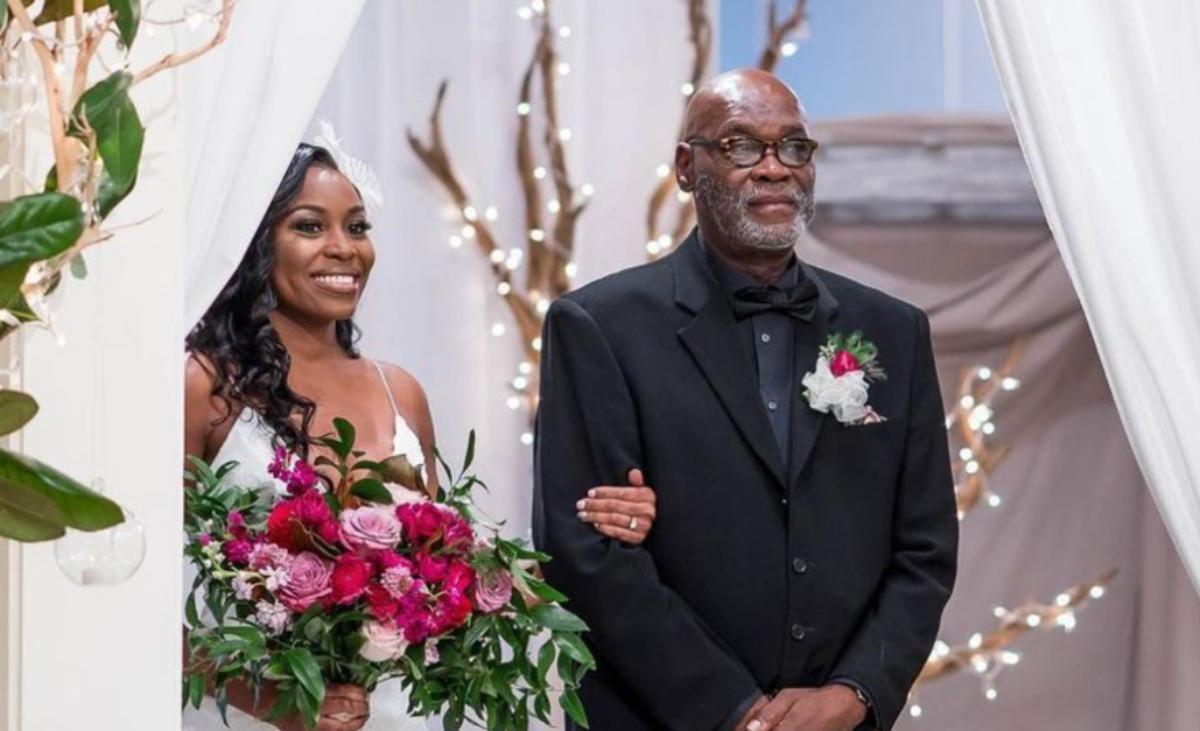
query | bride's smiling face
[323, 250]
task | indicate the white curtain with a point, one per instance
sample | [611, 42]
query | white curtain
[430, 308]
[1106, 104]
[246, 106]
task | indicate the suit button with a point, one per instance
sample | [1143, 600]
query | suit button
[799, 566]
[783, 500]
[798, 632]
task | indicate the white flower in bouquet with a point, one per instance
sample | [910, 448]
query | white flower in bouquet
[383, 643]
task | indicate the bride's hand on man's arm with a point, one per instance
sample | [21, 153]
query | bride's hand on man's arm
[624, 513]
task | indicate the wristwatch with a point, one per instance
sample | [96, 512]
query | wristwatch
[861, 696]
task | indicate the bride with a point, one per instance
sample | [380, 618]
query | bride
[273, 361]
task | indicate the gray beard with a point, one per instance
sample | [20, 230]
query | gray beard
[729, 210]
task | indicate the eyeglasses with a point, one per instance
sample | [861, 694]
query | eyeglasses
[746, 152]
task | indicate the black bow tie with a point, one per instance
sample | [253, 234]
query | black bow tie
[798, 301]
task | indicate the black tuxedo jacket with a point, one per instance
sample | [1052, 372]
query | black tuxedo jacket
[753, 577]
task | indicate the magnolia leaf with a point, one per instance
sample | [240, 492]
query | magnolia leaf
[98, 104]
[26, 527]
[78, 267]
[60, 9]
[37, 488]
[129, 15]
[16, 409]
[109, 194]
[39, 226]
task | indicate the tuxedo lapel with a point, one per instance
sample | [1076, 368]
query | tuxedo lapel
[807, 422]
[713, 340]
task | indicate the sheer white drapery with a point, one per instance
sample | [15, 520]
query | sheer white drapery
[1105, 102]
[246, 105]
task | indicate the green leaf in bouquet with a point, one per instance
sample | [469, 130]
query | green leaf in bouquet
[574, 647]
[189, 611]
[541, 706]
[573, 706]
[129, 15]
[470, 456]
[309, 707]
[545, 660]
[557, 618]
[195, 684]
[346, 434]
[302, 664]
[538, 587]
[285, 703]
[477, 629]
[225, 469]
[38, 226]
[335, 507]
[372, 490]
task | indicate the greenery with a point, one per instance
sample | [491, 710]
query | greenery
[97, 152]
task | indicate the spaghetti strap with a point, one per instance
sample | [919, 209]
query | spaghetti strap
[386, 387]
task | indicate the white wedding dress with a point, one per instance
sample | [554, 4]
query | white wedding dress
[250, 445]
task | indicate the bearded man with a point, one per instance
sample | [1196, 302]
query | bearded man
[791, 423]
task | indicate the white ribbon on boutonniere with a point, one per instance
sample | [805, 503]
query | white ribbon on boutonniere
[846, 368]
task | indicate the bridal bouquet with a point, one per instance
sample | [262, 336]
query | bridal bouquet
[368, 579]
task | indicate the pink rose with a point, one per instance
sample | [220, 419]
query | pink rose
[350, 578]
[493, 590]
[844, 362]
[308, 582]
[383, 643]
[370, 528]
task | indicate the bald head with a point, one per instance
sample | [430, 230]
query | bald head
[751, 207]
[741, 92]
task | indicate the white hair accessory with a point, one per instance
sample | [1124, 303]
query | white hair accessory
[358, 172]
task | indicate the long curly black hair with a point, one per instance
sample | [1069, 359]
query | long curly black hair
[236, 337]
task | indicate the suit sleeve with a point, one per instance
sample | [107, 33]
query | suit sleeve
[587, 435]
[893, 643]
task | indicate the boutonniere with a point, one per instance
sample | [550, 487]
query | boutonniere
[846, 368]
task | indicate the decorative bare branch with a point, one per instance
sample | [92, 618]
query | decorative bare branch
[988, 654]
[778, 32]
[548, 252]
[171, 60]
[436, 158]
[970, 422]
